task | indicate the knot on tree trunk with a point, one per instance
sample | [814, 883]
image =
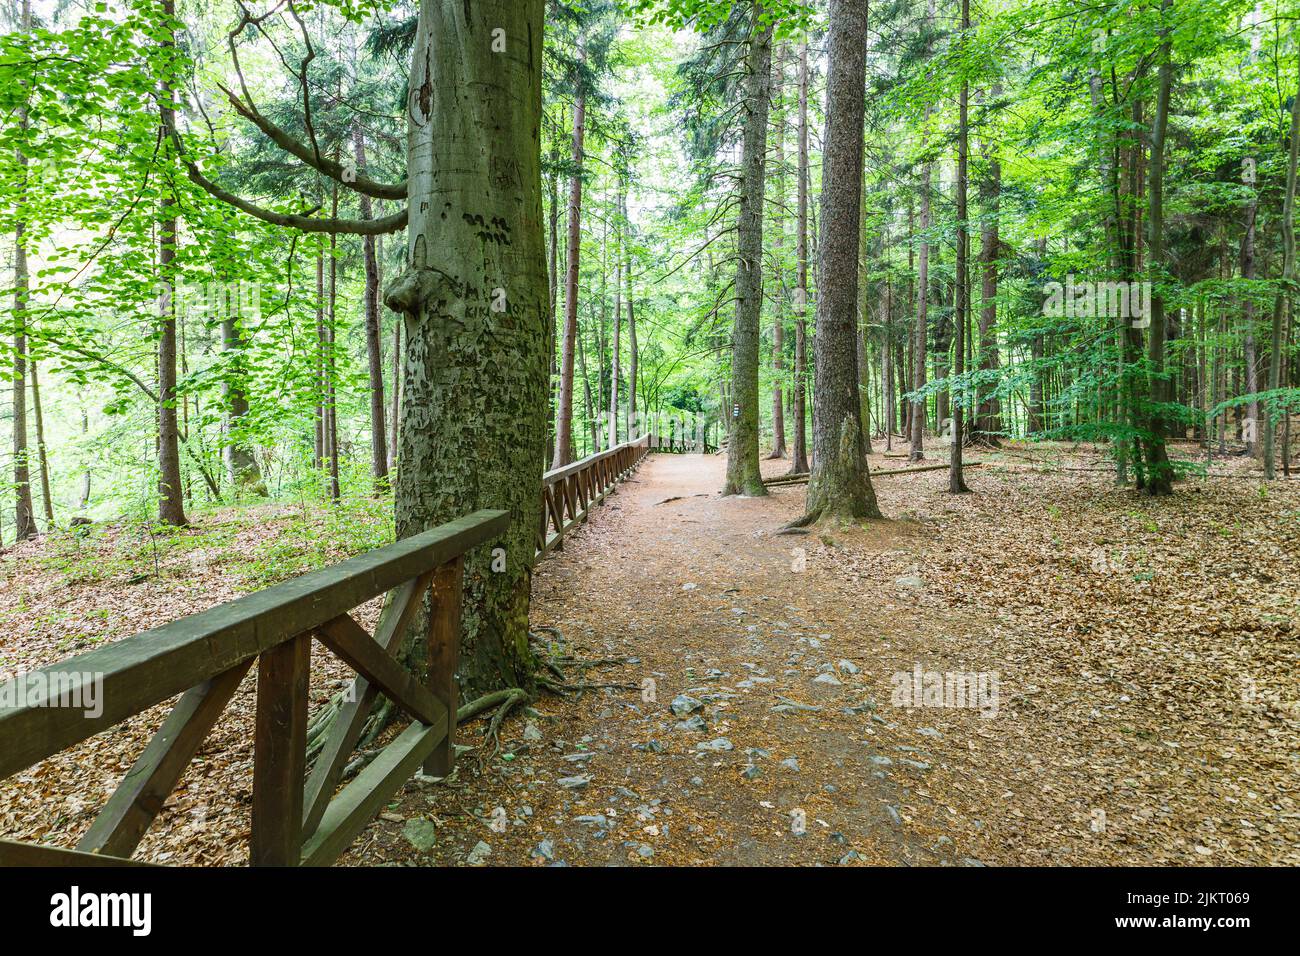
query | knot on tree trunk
[407, 292]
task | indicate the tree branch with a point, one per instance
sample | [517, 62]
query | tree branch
[312, 158]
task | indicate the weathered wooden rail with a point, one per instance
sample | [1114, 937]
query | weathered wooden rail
[297, 818]
[205, 656]
[569, 493]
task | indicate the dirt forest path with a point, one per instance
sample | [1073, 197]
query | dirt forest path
[720, 610]
[771, 757]
[1121, 732]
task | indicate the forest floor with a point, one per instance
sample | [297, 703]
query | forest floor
[1141, 662]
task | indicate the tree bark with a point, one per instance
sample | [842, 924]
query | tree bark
[171, 505]
[743, 475]
[25, 519]
[799, 457]
[1159, 472]
[241, 466]
[961, 316]
[990, 409]
[917, 424]
[374, 351]
[564, 408]
[839, 487]
[42, 456]
[331, 360]
[1284, 293]
[633, 354]
[615, 371]
[778, 253]
[474, 410]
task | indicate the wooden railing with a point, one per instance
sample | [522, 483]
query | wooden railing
[570, 492]
[204, 657]
[677, 444]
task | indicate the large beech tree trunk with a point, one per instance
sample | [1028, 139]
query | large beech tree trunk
[743, 475]
[475, 379]
[840, 485]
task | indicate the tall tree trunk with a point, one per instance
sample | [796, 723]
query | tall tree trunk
[614, 372]
[84, 501]
[241, 466]
[989, 422]
[1284, 293]
[564, 409]
[743, 475]
[633, 354]
[862, 320]
[778, 253]
[319, 413]
[474, 409]
[171, 505]
[374, 351]
[840, 485]
[25, 519]
[331, 360]
[917, 452]
[799, 457]
[42, 456]
[961, 316]
[1160, 474]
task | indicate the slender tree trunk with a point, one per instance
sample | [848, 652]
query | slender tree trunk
[374, 351]
[1283, 295]
[321, 375]
[1248, 320]
[778, 252]
[84, 500]
[862, 318]
[961, 317]
[474, 408]
[171, 506]
[241, 466]
[564, 410]
[42, 456]
[990, 410]
[917, 452]
[743, 475]
[633, 350]
[615, 370]
[25, 519]
[799, 458]
[840, 485]
[331, 360]
[1159, 477]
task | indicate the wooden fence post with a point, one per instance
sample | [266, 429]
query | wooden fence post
[444, 653]
[280, 753]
